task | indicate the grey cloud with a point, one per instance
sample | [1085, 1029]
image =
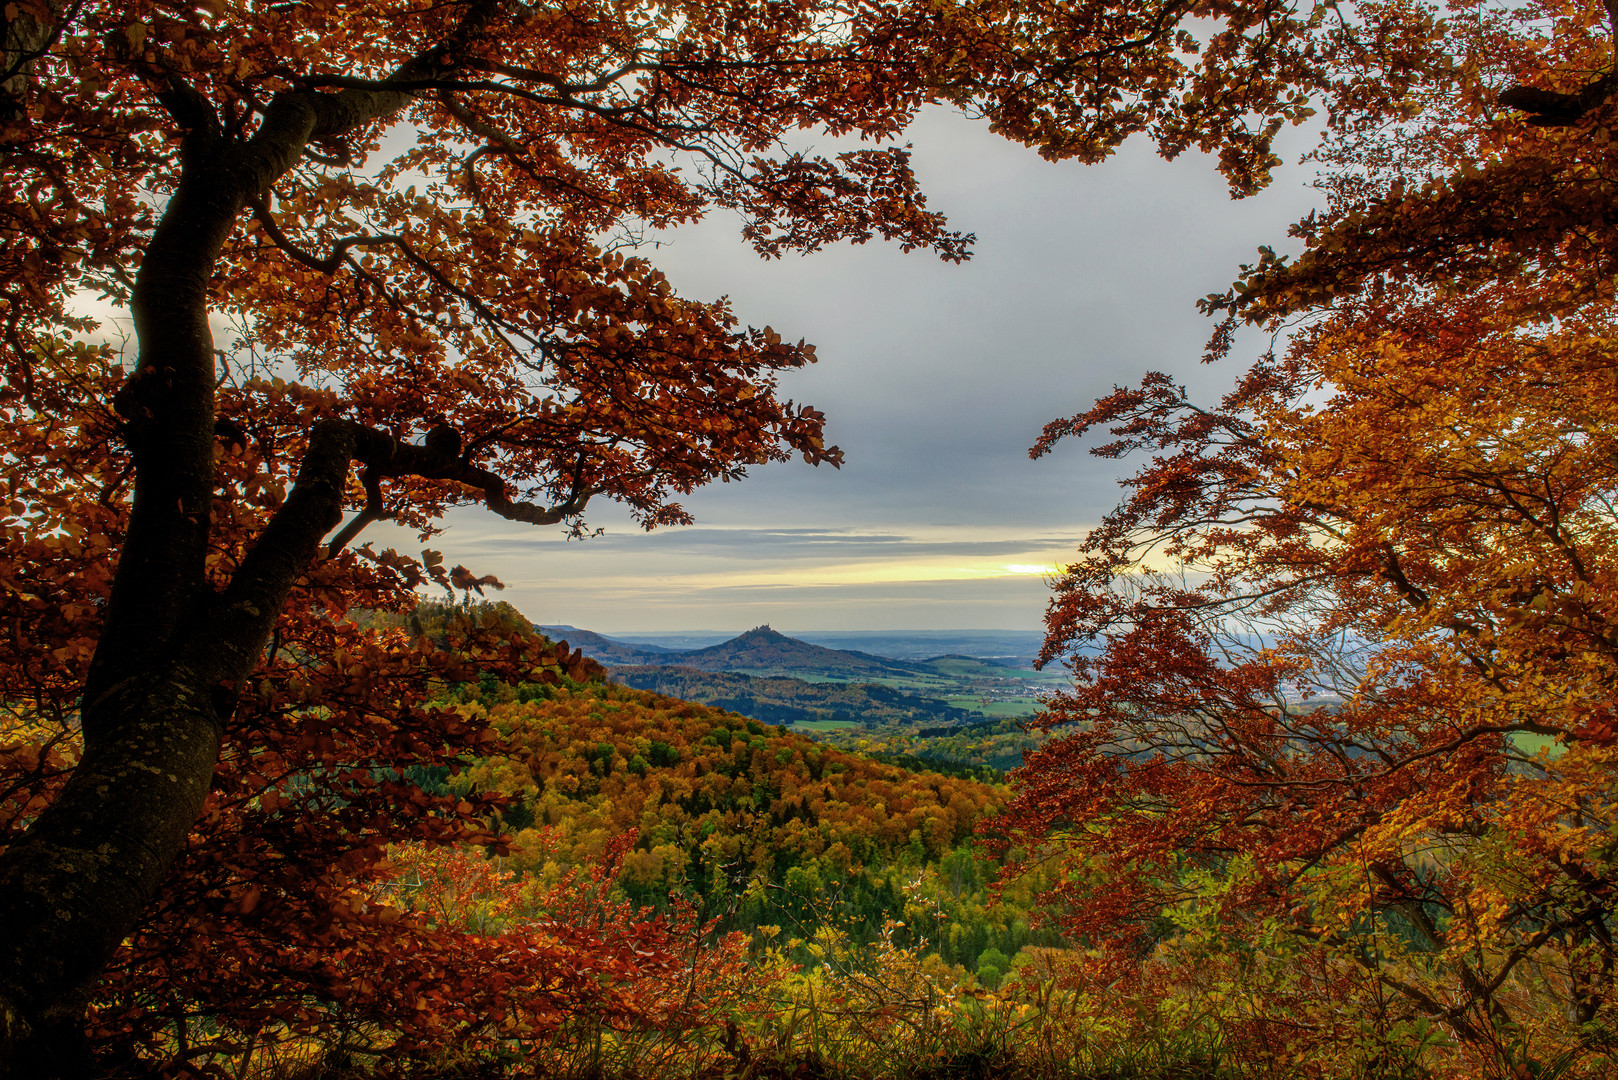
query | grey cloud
[469, 531]
[935, 380]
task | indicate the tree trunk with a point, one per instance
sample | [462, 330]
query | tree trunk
[173, 652]
[77, 884]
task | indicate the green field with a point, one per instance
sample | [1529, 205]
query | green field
[823, 725]
[1001, 707]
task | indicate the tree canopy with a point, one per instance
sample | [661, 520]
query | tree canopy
[1349, 686]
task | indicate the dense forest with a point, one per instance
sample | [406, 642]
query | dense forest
[769, 827]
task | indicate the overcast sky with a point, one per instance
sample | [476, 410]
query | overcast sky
[935, 380]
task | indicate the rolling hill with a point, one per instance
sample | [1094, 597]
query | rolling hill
[780, 679]
[608, 650]
[760, 651]
[783, 700]
[763, 651]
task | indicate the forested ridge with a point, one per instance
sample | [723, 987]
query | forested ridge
[784, 700]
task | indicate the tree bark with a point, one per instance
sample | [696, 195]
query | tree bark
[24, 38]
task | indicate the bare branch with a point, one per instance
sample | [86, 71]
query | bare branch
[372, 512]
[339, 251]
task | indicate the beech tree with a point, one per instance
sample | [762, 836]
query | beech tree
[382, 259]
[1344, 657]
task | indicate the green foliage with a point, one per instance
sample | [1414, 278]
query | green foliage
[880, 946]
[431, 618]
[999, 744]
[991, 967]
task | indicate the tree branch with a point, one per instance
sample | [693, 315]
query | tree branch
[1548, 108]
[290, 543]
[328, 265]
[372, 512]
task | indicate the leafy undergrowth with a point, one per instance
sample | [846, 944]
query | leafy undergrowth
[881, 1011]
[893, 1018]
